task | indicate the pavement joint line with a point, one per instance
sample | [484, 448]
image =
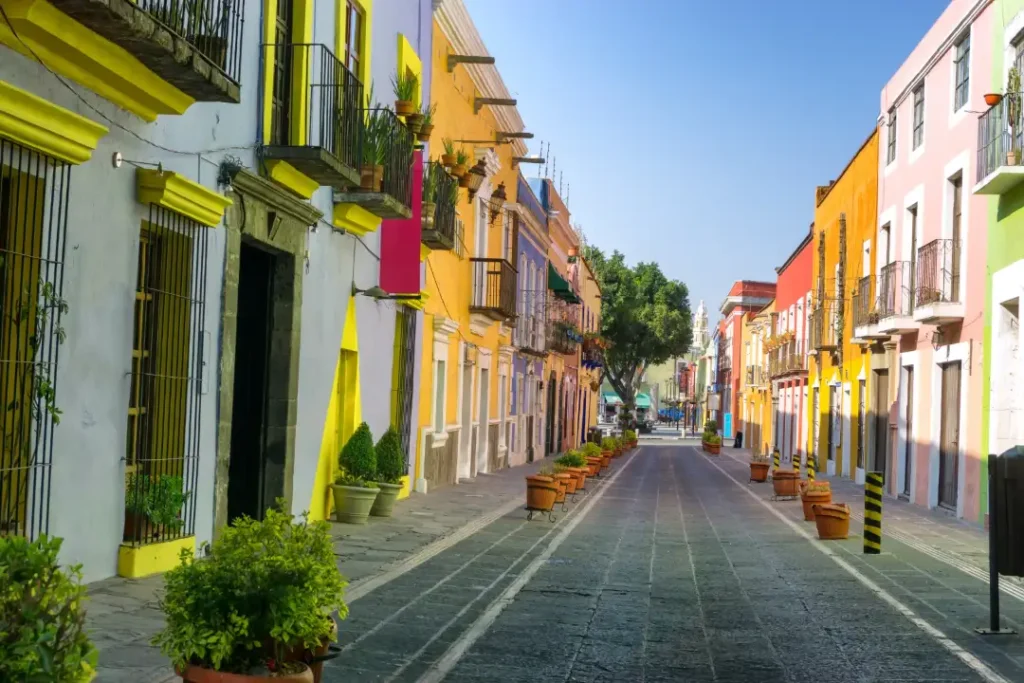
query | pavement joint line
[363, 587]
[650, 578]
[439, 669]
[960, 653]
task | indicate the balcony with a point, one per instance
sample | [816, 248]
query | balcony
[865, 312]
[530, 336]
[439, 227]
[385, 187]
[896, 299]
[999, 147]
[824, 326]
[563, 328]
[194, 46]
[319, 133]
[937, 294]
[755, 376]
[494, 288]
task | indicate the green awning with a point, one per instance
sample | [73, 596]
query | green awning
[643, 401]
[561, 288]
[612, 399]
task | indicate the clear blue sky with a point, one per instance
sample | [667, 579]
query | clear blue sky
[693, 132]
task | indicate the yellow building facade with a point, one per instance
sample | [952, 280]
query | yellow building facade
[839, 370]
[757, 390]
[469, 310]
[590, 370]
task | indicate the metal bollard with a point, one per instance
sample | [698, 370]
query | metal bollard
[776, 459]
[812, 467]
[873, 513]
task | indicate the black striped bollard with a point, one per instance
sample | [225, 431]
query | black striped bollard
[812, 467]
[776, 460]
[873, 513]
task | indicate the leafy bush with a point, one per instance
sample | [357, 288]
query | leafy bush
[390, 458]
[159, 498]
[572, 459]
[42, 620]
[546, 471]
[710, 426]
[591, 450]
[763, 459]
[629, 435]
[264, 587]
[713, 439]
[609, 443]
[818, 487]
[358, 459]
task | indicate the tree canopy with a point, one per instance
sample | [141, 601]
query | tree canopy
[644, 315]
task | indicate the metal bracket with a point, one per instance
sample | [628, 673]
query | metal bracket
[479, 102]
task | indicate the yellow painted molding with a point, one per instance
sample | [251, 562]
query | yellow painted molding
[424, 252]
[409, 64]
[156, 558]
[406, 487]
[34, 122]
[418, 304]
[290, 178]
[181, 195]
[355, 219]
[78, 53]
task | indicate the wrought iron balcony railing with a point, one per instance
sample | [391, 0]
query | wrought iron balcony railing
[1000, 136]
[562, 325]
[824, 325]
[195, 45]
[385, 175]
[439, 228]
[755, 376]
[938, 273]
[320, 131]
[864, 304]
[494, 288]
[530, 335]
[895, 290]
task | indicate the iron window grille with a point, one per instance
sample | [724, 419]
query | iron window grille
[890, 154]
[165, 400]
[403, 378]
[34, 190]
[1000, 131]
[961, 66]
[918, 116]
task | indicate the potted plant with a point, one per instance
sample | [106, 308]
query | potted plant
[713, 443]
[832, 520]
[759, 468]
[592, 454]
[541, 491]
[629, 436]
[255, 605]
[354, 494]
[993, 98]
[576, 464]
[566, 479]
[390, 470]
[430, 184]
[374, 147]
[607, 449]
[786, 483]
[414, 122]
[814, 493]
[427, 124]
[43, 635]
[152, 505]
[405, 87]
[461, 164]
[448, 158]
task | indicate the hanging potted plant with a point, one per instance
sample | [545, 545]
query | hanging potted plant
[814, 493]
[374, 137]
[430, 183]
[448, 158]
[390, 470]
[42, 609]
[759, 468]
[427, 122]
[405, 87]
[461, 166]
[993, 98]
[354, 494]
[256, 605]
[832, 520]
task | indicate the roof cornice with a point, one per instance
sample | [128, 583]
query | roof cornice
[456, 24]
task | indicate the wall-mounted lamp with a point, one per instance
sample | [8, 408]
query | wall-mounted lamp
[497, 201]
[475, 178]
[378, 294]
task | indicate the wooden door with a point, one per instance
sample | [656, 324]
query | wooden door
[908, 448]
[881, 450]
[954, 277]
[949, 435]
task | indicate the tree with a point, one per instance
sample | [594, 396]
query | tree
[644, 315]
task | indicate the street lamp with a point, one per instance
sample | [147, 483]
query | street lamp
[497, 201]
[475, 178]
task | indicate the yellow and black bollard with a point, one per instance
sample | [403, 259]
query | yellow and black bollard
[812, 467]
[776, 460]
[873, 513]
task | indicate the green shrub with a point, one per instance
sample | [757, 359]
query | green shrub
[264, 587]
[572, 459]
[358, 459]
[629, 435]
[591, 450]
[42, 619]
[608, 443]
[159, 498]
[390, 458]
[714, 440]
[710, 426]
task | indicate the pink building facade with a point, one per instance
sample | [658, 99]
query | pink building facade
[930, 262]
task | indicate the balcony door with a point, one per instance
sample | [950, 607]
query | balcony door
[881, 453]
[954, 279]
[908, 449]
[280, 121]
[911, 295]
[949, 436]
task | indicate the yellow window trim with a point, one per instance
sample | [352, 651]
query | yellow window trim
[76, 52]
[409, 64]
[181, 195]
[355, 219]
[290, 178]
[33, 122]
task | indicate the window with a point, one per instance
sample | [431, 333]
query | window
[439, 398]
[961, 68]
[351, 53]
[890, 154]
[280, 102]
[918, 116]
[166, 365]
[403, 375]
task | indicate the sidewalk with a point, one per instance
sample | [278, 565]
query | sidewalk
[123, 615]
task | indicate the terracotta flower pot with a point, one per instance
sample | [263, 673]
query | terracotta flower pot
[713, 448]
[581, 476]
[448, 160]
[404, 107]
[414, 122]
[606, 459]
[370, 178]
[594, 464]
[195, 674]
[786, 483]
[459, 170]
[560, 481]
[541, 492]
[425, 131]
[993, 98]
[306, 656]
[758, 471]
[568, 480]
[833, 521]
[809, 500]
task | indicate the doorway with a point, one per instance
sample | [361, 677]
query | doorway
[465, 436]
[908, 446]
[549, 441]
[816, 415]
[881, 454]
[482, 431]
[254, 482]
[835, 415]
[949, 436]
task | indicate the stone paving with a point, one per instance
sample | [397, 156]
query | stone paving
[123, 616]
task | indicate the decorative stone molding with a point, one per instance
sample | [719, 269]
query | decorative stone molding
[479, 324]
[43, 126]
[179, 194]
[249, 184]
[444, 328]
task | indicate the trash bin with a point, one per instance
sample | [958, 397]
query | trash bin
[738, 443]
[1006, 485]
